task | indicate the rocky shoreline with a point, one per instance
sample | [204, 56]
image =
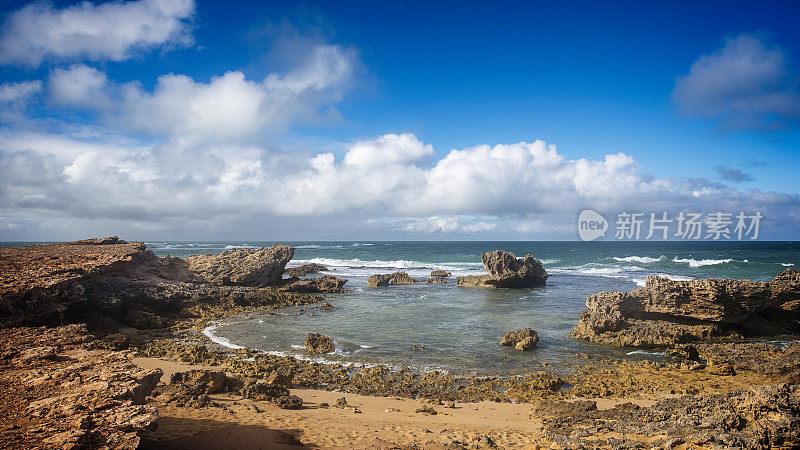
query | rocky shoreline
[160, 304]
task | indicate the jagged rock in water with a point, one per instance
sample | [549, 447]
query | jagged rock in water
[524, 339]
[437, 280]
[319, 343]
[76, 394]
[324, 284]
[666, 312]
[440, 273]
[305, 269]
[390, 278]
[506, 271]
[243, 266]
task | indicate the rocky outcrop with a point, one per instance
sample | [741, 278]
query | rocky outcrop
[61, 388]
[666, 312]
[437, 280]
[523, 340]
[319, 343]
[390, 278]
[242, 266]
[305, 269]
[324, 284]
[107, 282]
[439, 273]
[506, 271]
[760, 417]
[192, 388]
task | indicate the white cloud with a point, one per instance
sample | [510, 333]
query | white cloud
[747, 84]
[16, 93]
[109, 31]
[523, 188]
[227, 108]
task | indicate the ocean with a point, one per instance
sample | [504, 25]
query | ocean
[447, 328]
[444, 327]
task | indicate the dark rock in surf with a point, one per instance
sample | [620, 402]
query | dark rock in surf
[507, 271]
[390, 278]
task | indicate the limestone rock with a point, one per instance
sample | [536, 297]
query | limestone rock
[288, 402]
[666, 312]
[305, 269]
[319, 343]
[507, 271]
[437, 280]
[524, 339]
[79, 395]
[242, 266]
[325, 284]
[439, 273]
[263, 390]
[390, 278]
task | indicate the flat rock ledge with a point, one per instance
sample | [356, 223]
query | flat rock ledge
[107, 282]
[62, 389]
[243, 266]
[523, 340]
[507, 271]
[665, 312]
[390, 278]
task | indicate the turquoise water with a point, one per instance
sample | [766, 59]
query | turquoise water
[460, 327]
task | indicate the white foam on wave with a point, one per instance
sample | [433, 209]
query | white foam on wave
[643, 281]
[787, 264]
[702, 262]
[359, 267]
[645, 352]
[230, 247]
[209, 332]
[639, 259]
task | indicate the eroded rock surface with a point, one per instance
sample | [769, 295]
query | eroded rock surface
[524, 339]
[324, 284]
[107, 282]
[666, 312]
[60, 388]
[243, 266]
[507, 271]
[390, 278]
[305, 269]
[760, 417]
[319, 343]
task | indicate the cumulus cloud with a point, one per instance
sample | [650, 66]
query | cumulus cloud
[227, 108]
[731, 174]
[110, 31]
[526, 188]
[746, 84]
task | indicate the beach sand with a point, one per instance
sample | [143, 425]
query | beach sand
[381, 422]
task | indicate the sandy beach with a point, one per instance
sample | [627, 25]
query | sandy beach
[381, 422]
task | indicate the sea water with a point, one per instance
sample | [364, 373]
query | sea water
[454, 329]
[460, 328]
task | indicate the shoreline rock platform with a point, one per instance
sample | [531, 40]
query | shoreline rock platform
[664, 312]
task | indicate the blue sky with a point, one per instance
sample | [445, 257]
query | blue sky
[702, 98]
